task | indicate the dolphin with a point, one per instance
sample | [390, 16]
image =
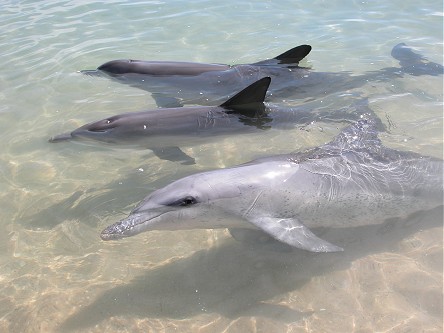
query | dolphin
[174, 83]
[163, 130]
[178, 83]
[351, 181]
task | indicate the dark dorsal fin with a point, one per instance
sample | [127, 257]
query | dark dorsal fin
[294, 55]
[252, 95]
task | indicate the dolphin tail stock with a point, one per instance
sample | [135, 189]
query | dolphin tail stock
[292, 56]
[248, 101]
[413, 63]
[60, 138]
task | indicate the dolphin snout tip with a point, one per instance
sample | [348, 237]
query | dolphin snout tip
[60, 137]
[106, 235]
[89, 72]
[111, 233]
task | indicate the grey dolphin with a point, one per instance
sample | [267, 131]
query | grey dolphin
[164, 130]
[174, 83]
[352, 181]
[115, 68]
[178, 83]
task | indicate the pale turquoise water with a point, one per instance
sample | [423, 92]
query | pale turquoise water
[55, 271]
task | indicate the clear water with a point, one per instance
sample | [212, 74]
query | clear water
[56, 273]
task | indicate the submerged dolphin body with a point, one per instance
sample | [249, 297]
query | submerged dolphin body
[164, 130]
[178, 83]
[351, 181]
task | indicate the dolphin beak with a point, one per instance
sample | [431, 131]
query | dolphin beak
[130, 226]
[61, 137]
[111, 232]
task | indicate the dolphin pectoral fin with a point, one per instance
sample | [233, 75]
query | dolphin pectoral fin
[164, 101]
[174, 154]
[292, 232]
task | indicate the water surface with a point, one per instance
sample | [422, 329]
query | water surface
[56, 273]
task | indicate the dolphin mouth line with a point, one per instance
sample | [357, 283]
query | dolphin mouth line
[124, 227]
[98, 131]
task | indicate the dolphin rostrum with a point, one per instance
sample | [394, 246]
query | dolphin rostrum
[164, 130]
[352, 181]
[177, 83]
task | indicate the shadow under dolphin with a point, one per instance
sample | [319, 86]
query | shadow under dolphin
[237, 279]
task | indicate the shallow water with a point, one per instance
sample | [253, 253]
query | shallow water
[56, 273]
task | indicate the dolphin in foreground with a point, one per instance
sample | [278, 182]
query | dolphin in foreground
[164, 130]
[178, 83]
[352, 181]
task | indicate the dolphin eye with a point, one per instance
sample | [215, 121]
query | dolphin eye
[188, 201]
[103, 125]
[183, 202]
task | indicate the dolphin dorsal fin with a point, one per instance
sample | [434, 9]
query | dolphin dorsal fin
[294, 55]
[363, 134]
[252, 95]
